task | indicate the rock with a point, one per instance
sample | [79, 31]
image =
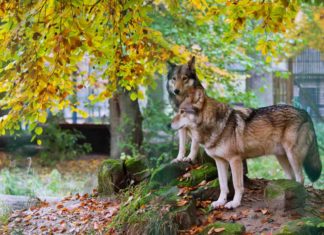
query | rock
[208, 192]
[17, 202]
[168, 174]
[285, 194]
[206, 172]
[185, 216]
[137, 168]
[224, 229]
[168, 194]
[111, 177]
[304, 226]
[167, 220]
[156, 225]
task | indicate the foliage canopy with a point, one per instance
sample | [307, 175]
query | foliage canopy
[127, 42]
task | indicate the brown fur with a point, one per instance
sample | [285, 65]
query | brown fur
[232, 135]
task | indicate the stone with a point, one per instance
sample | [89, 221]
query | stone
[138, 169]
[207, 171]
[111, 177]
[209, 191]
[167, 174]
[303, 226]
[185, 216]
[229, 229]
[285, 195]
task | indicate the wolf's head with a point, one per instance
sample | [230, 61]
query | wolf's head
[188, 115]
[182, 77]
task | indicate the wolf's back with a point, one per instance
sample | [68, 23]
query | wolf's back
[312, 162]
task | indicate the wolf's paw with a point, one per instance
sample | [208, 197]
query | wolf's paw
[188, 159]
[232, 204]
[218, 203]
[177, 160]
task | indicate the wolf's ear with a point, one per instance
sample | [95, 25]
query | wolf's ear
[191, 63]
[199, 98]
[171, 65]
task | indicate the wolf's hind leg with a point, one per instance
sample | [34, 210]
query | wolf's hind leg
[294, 160]
[222, 167]
[182, 145]
[283, 161]
[237, 175]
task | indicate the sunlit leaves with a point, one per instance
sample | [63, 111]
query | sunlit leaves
[43, 44]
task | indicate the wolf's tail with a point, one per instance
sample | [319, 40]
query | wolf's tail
[312, 163]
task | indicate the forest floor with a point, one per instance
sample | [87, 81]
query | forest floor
[90, 214]
[87, 213]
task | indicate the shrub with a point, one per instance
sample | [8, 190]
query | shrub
[61, 144]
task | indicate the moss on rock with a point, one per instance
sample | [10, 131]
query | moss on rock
[304, 226]
[208, 192]
[285, 194]
[167, 174]
[137, 168]
[111, 177]
[229, 229]
[206, 172]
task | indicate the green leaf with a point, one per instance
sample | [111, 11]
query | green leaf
[42, 117]
[39, 130]
[133, 96]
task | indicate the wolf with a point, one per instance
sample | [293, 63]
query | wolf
[180, 79]
[231, 135]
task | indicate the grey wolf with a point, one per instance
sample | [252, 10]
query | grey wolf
[231, 135]
[180, 79]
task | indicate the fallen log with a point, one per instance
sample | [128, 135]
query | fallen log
[13, 202]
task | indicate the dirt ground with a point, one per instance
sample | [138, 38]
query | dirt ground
[80, 213]
[255, 215]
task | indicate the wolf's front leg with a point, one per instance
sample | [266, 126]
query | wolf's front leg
[222, 167]
[182, 145]
[193, 150]
[237, 175]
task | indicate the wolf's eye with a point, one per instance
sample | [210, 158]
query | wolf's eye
[181, 111]
[184, 78]
[174, 78]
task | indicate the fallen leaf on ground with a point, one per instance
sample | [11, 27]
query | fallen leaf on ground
[215, 230]
[181, 202]
[264, 211]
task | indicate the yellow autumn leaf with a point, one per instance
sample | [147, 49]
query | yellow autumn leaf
[133, 96]
[39, 130]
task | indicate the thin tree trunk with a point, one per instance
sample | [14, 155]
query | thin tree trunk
[125, 125]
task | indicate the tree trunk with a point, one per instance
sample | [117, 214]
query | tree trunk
[125, 125]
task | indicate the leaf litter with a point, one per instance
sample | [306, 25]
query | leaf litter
[78, 214]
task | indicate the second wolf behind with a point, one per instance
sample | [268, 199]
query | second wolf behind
[231, 135]
[181, 79]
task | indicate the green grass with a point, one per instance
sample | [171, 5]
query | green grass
[19, 182]
[4, 214]
[268, 167]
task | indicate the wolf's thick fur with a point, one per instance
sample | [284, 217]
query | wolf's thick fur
[232, 135]
[181, 78]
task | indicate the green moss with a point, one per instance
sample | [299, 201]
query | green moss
[209, 191]
[109, 174]
[304, 226]
[230, 228]
[168, 193]
[283, 187]
[167, 174]
[138, 168]
[207, 172]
